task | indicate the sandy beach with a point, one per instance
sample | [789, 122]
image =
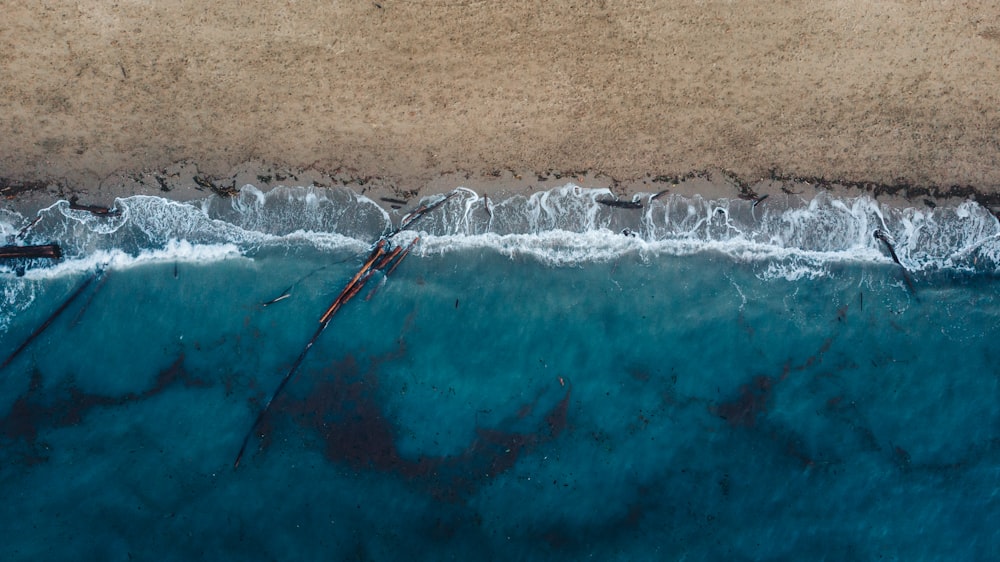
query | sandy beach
[103, 99]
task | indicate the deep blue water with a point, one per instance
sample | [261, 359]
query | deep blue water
[743, 384]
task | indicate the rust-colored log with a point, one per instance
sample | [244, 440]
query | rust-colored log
[376, 253]
[386, 258]
[405, 253]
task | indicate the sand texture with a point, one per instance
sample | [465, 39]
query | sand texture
[409, 92]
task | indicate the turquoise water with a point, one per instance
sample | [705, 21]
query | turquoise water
[529, 384]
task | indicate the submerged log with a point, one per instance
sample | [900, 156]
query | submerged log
[50, 251]
[48, 321]
[277, 391]
[86, 304]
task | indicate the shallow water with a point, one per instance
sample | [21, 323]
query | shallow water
[549, 391]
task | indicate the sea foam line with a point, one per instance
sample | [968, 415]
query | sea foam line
[561, 226]
[180, 251]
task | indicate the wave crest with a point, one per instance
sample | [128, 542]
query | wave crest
[792, 237]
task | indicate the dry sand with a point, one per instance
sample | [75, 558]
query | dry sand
[106, 98]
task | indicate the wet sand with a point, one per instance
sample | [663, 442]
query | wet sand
[396, 98]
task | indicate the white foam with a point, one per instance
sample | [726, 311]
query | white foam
[286, 209]
[174, 251]
[567, 226]
[564, 226]
[552, 247]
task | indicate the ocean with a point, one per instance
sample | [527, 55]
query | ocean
[544, 377]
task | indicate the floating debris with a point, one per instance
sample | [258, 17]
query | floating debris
[618, 203]
[884, 237]
[288, 291]
[488, 205]
[375, 289]
[284, 295]
[420, 211]
[24, 230]
[98, 210]
[281, 385]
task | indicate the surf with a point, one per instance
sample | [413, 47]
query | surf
[566, 226]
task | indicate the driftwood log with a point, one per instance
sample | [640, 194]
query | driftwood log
[51, 251]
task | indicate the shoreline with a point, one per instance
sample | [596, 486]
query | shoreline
[184, 181]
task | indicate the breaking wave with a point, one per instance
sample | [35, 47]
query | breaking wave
[568, 225]
[785, 236]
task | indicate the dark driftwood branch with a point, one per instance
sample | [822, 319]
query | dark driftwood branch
[50, 251]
